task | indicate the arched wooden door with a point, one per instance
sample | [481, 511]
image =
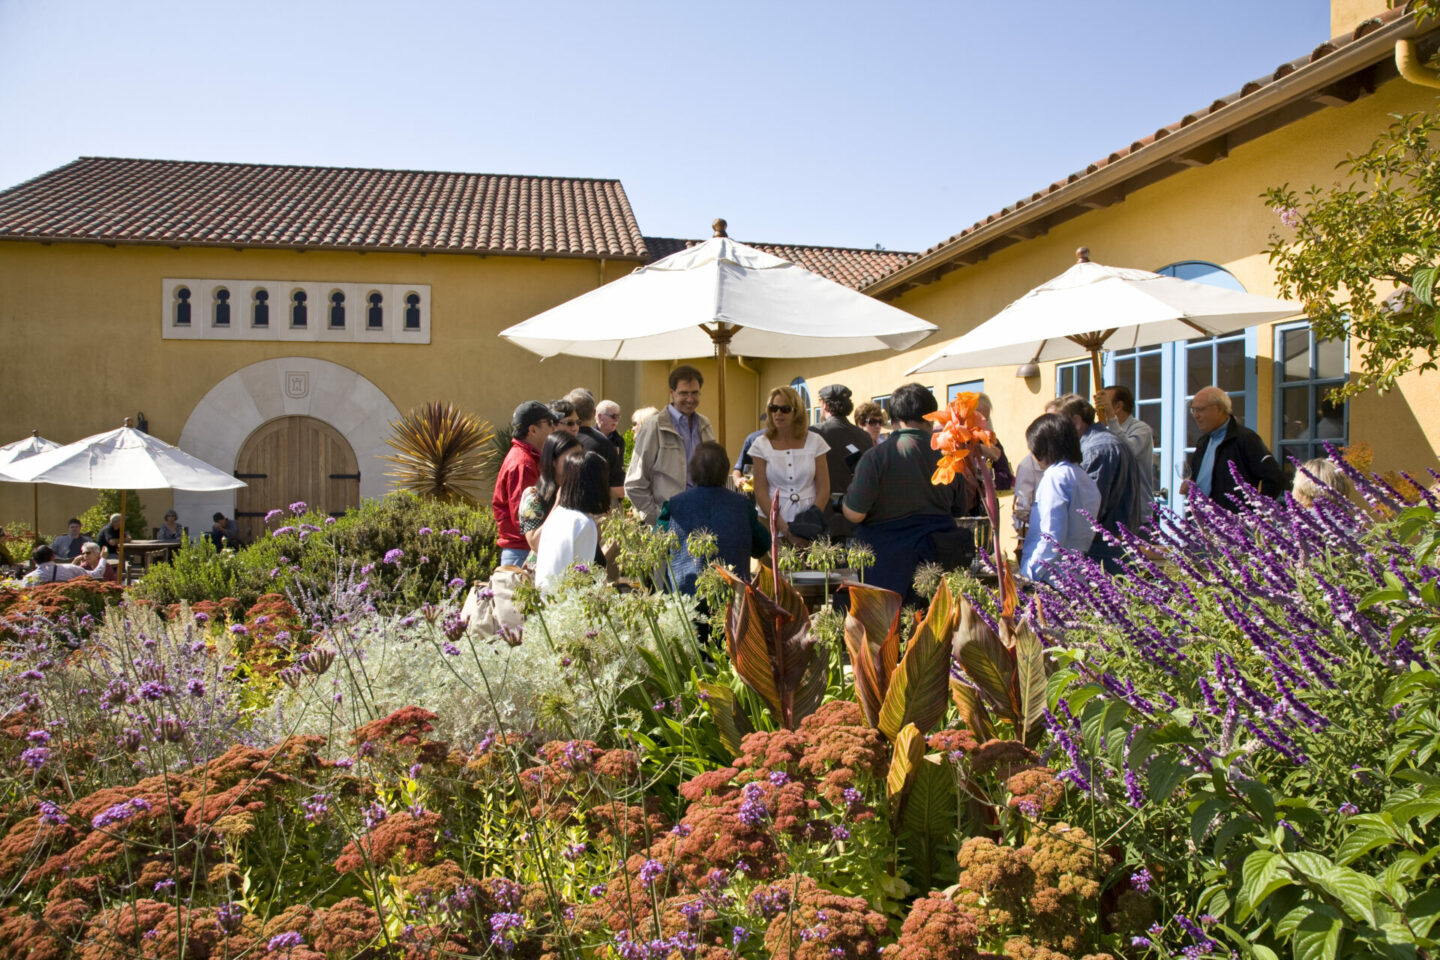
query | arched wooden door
[291, 459]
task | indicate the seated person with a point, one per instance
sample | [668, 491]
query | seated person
[1063, 497]
[730, 516]
[903, 517]
[224, 532]
[67, 545]
[48, 571]
[570, 533]
[110, 536]
[170, 530]
[92, 561]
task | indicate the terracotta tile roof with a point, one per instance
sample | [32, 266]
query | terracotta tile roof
[1215, 107]
[854, 267]
[111, 200]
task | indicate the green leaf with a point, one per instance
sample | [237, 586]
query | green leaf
[908, 752]
[1262, 952]
[1165, 774]
[1260, 876]
[1355, 891]
[731, 721]
[927, 823]
[1317, 937]
[986, 660]
[972, 710]
[1360, 841]
[1200, 821]
[918, 689]
[1260, 798]
[1423, 910]
[1311, 865]
[1030, 674]
[1422, 284]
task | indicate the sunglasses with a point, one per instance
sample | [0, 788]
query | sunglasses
[780, 408]
[872, 423]
[571, 422]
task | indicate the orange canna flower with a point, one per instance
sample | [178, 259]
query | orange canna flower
[961, 430]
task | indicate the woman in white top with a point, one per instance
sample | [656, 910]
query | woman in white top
[1063, 497]
[570, 534]
[789, 459]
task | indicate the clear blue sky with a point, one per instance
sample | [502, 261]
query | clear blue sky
[840, 122]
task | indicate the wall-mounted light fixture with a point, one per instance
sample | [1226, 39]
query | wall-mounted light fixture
[1027, 370]
[141, 423]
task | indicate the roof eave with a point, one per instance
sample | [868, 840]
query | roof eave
[317, 247]
[1301, 83]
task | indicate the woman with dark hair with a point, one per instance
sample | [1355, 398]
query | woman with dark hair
[570, 532]
[1063, 497]
[730, 516]
[558, 452]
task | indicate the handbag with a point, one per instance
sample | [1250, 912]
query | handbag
[809, 524]
[490, 606]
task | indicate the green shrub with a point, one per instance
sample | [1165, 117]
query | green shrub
[306, 551]
[108, 502]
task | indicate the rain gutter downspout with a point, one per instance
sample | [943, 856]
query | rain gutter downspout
[1407, 61]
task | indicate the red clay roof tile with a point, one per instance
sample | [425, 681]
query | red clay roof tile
[235, 204]
[853, 267]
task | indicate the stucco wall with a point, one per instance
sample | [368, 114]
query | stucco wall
[80, 343]
[1213, 213]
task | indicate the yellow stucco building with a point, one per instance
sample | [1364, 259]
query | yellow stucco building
[274, 320]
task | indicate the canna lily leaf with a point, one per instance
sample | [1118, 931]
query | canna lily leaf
[918, 686]
[770, 645]
[988, 663]
[1030, 678]
[927, 833]
[972, 710]
[872, 636]
[905, 761]
[730, 718]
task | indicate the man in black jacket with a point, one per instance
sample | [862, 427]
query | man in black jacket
[847, 442]
[1225, 440]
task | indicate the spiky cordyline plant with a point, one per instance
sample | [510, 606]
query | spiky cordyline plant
[441, 452]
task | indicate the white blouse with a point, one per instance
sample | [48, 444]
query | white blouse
[568, 536]
[791, 472]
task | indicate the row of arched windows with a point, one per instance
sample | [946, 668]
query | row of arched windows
[299, 310]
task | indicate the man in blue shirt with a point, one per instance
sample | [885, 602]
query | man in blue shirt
[1112, 466]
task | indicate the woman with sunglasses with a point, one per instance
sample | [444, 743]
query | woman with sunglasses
[790, 459]
[870, 418]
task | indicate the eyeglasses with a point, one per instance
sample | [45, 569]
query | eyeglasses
[780, 408]
[1197, 407]
[874, 422]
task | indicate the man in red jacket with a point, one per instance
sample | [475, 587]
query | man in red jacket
[531, 423]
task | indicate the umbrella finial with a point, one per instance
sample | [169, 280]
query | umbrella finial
[34, 432]
[1082, 255]
[126, 423]
[720, 226]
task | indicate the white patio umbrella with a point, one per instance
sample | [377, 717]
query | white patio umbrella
[23, 450]
[1092, 307]
[722, 296]
[124, 459]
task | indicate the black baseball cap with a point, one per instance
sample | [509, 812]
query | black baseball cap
[530, 413]
[835, 391]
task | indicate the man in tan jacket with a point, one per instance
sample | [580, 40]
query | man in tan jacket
[660, 462]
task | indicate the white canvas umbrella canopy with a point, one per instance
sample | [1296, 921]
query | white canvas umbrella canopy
[23, 450]
[124, 459]
[1092, 307]
[722, 296]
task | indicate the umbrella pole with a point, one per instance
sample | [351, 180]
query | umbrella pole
[721, 337]
[120, 573]
[1102, 414]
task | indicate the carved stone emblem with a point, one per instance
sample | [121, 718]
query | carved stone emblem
[297, 384]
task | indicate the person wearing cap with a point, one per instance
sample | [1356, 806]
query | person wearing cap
[847, 443]
[109, 536]
[531, 423]
[664, 444]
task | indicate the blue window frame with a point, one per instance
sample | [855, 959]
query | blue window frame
[969, 386]
[1162, 394]
[1306, 372]
[1073, 377]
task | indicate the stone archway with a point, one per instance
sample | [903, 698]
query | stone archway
[216, 430]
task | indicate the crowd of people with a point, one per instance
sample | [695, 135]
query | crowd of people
[866, 479]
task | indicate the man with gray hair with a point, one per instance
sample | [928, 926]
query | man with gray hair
[1224, 442]
[592, 439]
[607, 421]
